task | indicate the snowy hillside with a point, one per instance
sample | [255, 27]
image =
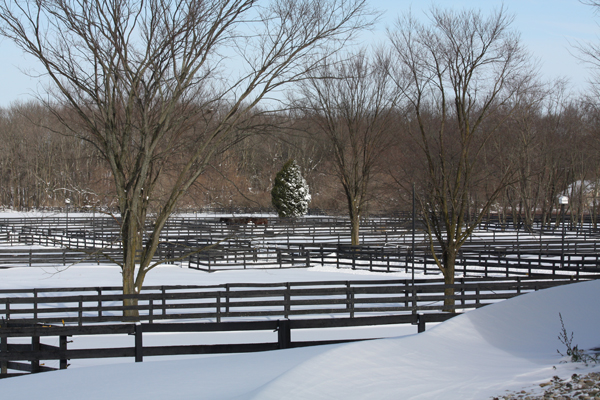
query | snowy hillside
[509, 345]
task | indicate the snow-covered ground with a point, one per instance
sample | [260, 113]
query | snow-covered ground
[106, 275]
[506, 346]
[511, 345]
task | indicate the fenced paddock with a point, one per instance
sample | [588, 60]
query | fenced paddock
[13, 355]
[485, 261]
[387, 246]
[84, 306]
[492, 266]
[280, 308]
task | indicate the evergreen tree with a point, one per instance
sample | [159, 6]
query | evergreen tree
[290, 195]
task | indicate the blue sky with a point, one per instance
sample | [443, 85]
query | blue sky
[546, 26]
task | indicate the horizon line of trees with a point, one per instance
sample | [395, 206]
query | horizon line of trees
[553, 145]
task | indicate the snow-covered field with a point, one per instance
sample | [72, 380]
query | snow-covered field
[511, 345]
[505, 346]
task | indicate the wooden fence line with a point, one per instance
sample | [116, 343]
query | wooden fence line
[284, 300]
[484, 260]
[12, 355]
[470, 261]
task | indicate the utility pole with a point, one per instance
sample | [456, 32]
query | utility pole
[563, 201]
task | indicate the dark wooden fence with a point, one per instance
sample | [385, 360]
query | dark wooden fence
[482, 259]
[13, 355]
[487, 261]
[278, 307]
[220, 303]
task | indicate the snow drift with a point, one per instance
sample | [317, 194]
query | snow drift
[480, 354]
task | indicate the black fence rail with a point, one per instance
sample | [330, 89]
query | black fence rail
[87, 233]
[27, 358]
[486, 260]
[52, 256]
[483, 259]
[83, 306]
[36, 257]
[302, 255]
[103, 231]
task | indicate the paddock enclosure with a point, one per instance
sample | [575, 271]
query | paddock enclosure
[495, 264]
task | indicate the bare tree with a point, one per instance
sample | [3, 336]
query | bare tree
[589, 52]
[462, 75]
[350, 104]
[142, 80]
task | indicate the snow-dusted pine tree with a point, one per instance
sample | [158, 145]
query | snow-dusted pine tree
[290, 195]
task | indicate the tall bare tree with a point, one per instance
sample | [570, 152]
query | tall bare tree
[462, 75]
[142, 80]
[350, 103]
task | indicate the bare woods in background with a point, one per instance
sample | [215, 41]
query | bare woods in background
[353, 134]
[553, 142]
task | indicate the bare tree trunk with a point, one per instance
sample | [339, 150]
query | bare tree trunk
[355, 227]
[130, 231]
[449, 263]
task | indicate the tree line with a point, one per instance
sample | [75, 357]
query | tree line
[551, 141]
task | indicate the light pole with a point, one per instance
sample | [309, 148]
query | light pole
[413, 234]
[94, 222]
[563, 201]
[413, 248]
[67, 202]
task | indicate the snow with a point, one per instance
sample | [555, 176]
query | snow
[105, 275]
[505, 346]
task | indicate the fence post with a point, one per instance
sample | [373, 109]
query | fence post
[218, 310]
[139, 343]
[3, 351]
[151, 311]
[99, 290]
[63, 349]
[164, 300]
[350, 299]
[307, 258]
[287, 299]
[35, 348]
[35, 306]
[284, 333]
[226, 298]
[420, 323]
[414, 299]
[80, 313]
